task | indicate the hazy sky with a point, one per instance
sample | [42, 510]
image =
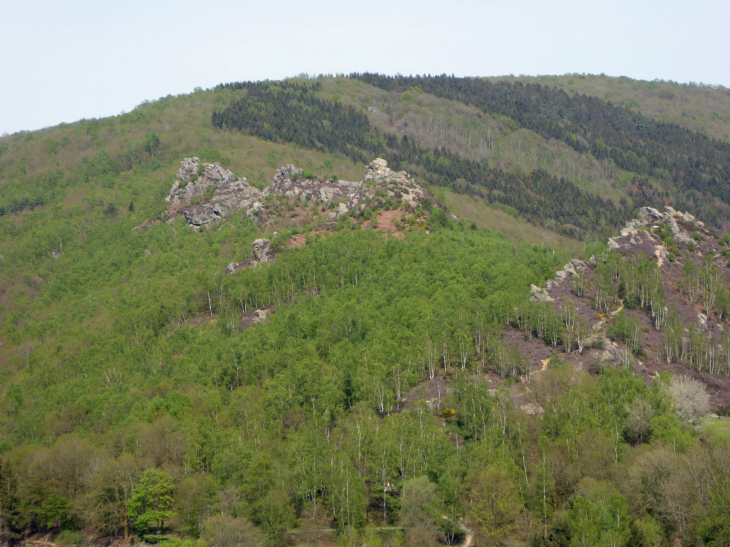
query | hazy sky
[63, 61]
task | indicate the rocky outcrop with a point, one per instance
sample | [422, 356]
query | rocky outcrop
[571, 268]
[262, 254]
[540, 294]
[249, 319]
[635, 237]
[378, 171]
[289, 183]
[205, 193]
[262, 251]
[677, 221]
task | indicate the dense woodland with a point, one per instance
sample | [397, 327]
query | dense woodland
[379, 404]
[695, 164]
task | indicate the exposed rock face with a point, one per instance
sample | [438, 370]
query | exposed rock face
[198, 181]
[679, 235]
[262, 251]
[256, 316]
[540, 295]
[289, 183]
[634, 239]
[650, 216]
[532, 409]
[205, 193]
[261, 255]
[379, 171]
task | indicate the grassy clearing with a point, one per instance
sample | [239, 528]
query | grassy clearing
[719, 428]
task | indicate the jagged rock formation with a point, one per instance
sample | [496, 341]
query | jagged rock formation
[650, 216]
[288, 182]
[540, 294]
[205, 193]
[208, 192]
[262, 251]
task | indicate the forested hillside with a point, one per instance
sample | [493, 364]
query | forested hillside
[697, 106]
[692, 165]
[222, 323]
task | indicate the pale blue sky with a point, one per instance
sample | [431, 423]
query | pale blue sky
[63, 61]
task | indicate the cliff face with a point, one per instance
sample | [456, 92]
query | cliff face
[205, 193]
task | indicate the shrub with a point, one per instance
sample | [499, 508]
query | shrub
[690, 400]
[110, 210]
[208, 194]
[691, 246]
[154, 538]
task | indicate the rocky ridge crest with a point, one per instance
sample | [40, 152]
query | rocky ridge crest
[205, 193]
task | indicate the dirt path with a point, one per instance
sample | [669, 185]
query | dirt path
[607, 316]
[469, 533]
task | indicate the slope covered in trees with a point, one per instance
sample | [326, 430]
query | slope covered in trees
[696, 165]
[697, 106]
[362, 388]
